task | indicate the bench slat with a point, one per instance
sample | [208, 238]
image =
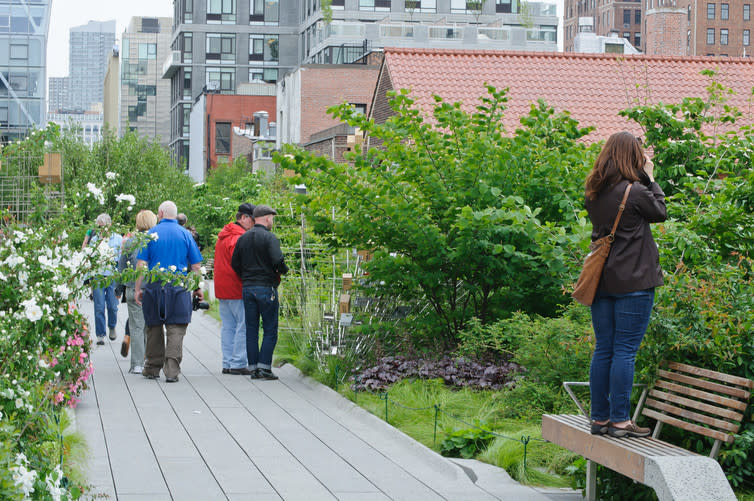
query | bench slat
[710, 397]
[718, 435]
[708, 385]
[695, 404]
[695, 416]
[720, 376]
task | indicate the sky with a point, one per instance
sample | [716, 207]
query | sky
[69, 13]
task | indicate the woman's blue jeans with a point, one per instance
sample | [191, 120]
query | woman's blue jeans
[104, 299]
[619, 321]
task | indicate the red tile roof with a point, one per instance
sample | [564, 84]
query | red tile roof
[592, 87]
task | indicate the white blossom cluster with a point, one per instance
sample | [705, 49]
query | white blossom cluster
[19, 396]
[95, 192]
[23, 476]
[123, 197]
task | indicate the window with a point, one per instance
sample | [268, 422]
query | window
[710, 11]
[627, 35]
[264, 12]
[222, 79]
[723, 36]
[710, 36]
[637, 16]
[185, 124]
[359, 108]
[269, 75]
[221, 47]
[746, 37]
[724, 11]
[506, 6]
[412, 6]
[747, 11]
[263, 48]
[221, 11]
[222, 138]
[466, 6]
[188, 51]
[4, 115]
[384, 5]
[637, 40]
[147, 51]
[19, 51]
[188, 11]
[338, 4]
[187, 83]
[626, 18]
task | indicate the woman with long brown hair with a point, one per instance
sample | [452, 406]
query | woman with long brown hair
[624, 299]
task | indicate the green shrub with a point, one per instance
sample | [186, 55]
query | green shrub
[466, 443]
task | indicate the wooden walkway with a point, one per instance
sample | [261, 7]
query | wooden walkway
[222, 437]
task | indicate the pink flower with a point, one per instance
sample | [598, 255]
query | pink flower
[59, 397]
[54, 362]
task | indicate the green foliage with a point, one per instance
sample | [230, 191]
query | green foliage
[466, 443]
[452, 207]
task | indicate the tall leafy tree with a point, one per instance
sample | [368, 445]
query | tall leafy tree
[453, 207]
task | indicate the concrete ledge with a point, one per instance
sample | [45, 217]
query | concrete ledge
[697, 478]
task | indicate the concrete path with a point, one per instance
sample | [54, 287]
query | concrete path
[221, 437]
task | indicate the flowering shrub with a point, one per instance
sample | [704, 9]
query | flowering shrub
[44, 355]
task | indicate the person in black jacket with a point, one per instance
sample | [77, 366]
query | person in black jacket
[259, 262]
[624, 299]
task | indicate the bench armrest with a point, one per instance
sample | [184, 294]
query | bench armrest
[567, 385]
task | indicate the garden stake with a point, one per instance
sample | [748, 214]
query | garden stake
[437, 411]
[383, 396]
[525, 441]
[337, 368]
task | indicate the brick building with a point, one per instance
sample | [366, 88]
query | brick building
[711, 28]
[305, 95]
[215, 117]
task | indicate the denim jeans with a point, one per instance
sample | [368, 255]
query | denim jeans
[104, 298]
[233, 333]
[619, 321]
[261, 301]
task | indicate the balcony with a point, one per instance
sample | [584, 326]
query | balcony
[172, 64]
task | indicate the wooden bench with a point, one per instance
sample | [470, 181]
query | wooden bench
[696, 400]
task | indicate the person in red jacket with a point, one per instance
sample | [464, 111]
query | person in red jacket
[228, 292]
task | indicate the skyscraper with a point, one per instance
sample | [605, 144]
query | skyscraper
[58, 94]
[90, 46]
[23, 55]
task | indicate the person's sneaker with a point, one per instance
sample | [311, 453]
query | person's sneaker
[171, 379]
[150, 376]
[631, 430]
[100, 340]
[136, 369]
[226, 370]
[243, 371]
[111, 332]
[266, 374]
[600, 429]
[254, 373]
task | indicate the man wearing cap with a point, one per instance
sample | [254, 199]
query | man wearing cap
[259, 262]
[228, 292]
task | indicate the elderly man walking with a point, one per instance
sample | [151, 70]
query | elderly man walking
[259, 262]
[167, 308]
[229, 294]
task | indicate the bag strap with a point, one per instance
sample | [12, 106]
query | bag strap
[620, 212]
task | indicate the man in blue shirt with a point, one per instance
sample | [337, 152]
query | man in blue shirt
[166, 306]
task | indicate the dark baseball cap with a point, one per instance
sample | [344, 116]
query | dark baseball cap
[263, 210]
[246, 208]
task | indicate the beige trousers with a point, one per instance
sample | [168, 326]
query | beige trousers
[164, 349]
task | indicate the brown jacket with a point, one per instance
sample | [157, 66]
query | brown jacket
[634, 261]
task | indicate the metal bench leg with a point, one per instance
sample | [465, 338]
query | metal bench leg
[591, 481]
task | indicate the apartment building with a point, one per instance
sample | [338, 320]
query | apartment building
[89, 49]
[219, 44]
[144, 94]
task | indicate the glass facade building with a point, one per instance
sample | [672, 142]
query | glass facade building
[23, 52]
